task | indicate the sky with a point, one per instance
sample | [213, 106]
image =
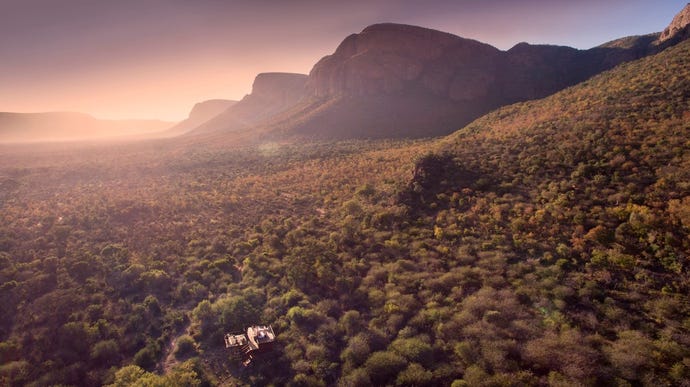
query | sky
[155, 59]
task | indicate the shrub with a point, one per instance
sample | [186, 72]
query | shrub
[413, 349]
[185, 346]
[383, 366]
[146, 357]
[105, 352]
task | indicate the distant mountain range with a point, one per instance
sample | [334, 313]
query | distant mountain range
[390, 80]
[68, 126]
[395, 80]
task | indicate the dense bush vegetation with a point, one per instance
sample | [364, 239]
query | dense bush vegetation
[546, 243]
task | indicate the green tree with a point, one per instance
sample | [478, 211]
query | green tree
[383, 366]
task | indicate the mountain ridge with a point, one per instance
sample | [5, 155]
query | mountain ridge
[201, 112]
[272, 94]
[580, 182]
[397, 80]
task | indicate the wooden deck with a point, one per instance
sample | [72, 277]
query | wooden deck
[244, 346]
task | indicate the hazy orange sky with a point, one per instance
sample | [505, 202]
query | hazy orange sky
[156, 58]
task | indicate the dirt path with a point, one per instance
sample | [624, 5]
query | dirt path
[168, 360]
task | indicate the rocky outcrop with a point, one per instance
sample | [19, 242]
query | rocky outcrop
[393, 58]
[679, 25]
[390, 58]
[401, 80]
[281, 88]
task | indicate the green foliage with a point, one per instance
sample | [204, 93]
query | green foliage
[546, 243]
[383, 366]
[303, 317]
[415, 375]
[106, 352]
[629, 354]
[182, 376]
[414, 349]
[15, 373]
[185, 347]
[128, 376]
[356, 352]
[146, 357]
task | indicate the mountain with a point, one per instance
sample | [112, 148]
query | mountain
[619, 124]
[387, 59]
[393, 80]
[588, 188]
[68, 126]
[678, 26]
[436, 82]
[201, 112]
[272, 93]
[545, 243]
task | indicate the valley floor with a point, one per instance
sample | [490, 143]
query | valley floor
[375, 262]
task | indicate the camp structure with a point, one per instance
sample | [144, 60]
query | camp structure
[244, 346]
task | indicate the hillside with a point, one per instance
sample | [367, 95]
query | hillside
[585, 196]
[272, 94]
[33, 127]
[201, 113]
[546, 243]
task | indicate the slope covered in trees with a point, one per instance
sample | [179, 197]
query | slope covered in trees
[545, 243]
[587, 192]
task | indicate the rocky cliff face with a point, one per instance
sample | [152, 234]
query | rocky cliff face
[279, 87]
[427, 82]
[678, 25]
[393, 58]
[393, 80]
[389, 58]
